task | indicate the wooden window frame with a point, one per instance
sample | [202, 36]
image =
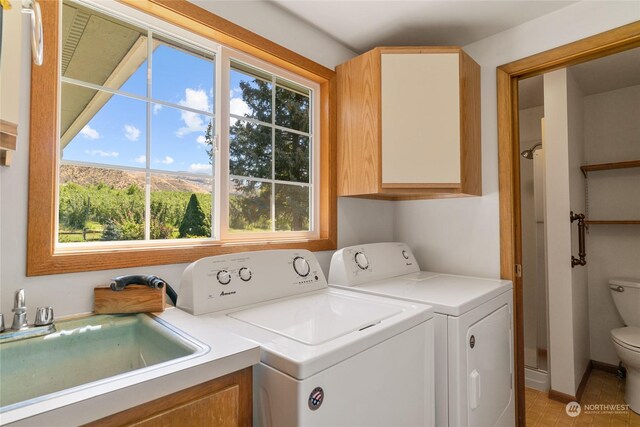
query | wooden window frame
[508, 75]
[42, 256]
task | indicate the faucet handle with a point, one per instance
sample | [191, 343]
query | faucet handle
[19, 302]
[44, 316]
[1, 322]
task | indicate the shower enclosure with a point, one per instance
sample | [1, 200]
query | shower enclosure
[532, 192]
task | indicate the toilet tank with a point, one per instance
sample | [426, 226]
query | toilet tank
[626, 296]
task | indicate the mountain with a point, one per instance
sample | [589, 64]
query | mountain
[117, 178]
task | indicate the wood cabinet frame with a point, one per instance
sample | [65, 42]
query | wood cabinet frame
[508, 75]
[360, 130]
[42, 257]
[234, 391]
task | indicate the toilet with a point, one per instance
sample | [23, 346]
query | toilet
[626, 340]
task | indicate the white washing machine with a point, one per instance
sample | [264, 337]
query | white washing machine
[329, 357]
[473, 328]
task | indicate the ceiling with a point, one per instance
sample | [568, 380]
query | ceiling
[600, 75]
[362, 24]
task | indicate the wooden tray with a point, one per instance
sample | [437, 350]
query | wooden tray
[132, 299]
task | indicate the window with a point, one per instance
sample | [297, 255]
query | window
[164, 145]
[270, 153]
[140, 150]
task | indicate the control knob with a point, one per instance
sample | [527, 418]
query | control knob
[361, 260]
[224, 277]
[245, 274]
[301, 266]
[405, 254]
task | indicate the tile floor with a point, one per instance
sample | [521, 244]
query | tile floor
[603, 388]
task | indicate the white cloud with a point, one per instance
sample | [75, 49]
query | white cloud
[131, 132]
[157, 108]
[167, 160]
[200, 168]
[238, 107]
[201, 140]
[198, 100]
[140, 159]
[102, 153]
[89, 132]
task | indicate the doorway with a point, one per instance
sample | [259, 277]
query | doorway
[509, 75]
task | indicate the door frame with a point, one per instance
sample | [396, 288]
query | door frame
[508, 75]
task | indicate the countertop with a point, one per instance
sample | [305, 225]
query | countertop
[227, 353]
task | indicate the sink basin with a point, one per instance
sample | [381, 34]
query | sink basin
[85, 352]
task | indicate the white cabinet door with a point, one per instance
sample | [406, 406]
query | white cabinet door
[420, 119]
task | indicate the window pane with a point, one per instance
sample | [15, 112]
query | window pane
[292, 109]
[181, 140]
[102, 50]
[249, 206]
[180, 206]
[100, 204]
[182, 76]
[99, 127]
[250, 95]
[292, 207]
[292, 157]
[249, 149]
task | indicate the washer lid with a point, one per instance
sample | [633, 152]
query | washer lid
[318, 318]
[629, 336]
[448, 294]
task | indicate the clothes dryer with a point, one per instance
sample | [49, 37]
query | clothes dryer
[473, 328]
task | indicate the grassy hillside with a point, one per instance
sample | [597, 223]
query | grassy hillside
[108, 204]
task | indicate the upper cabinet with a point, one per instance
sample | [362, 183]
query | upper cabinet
[409, 124]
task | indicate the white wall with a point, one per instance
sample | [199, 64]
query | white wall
[10, 66]
[579, 288]
[275, 24]
[612, 133]
[463, 235]
[558, 233]
[358, 220]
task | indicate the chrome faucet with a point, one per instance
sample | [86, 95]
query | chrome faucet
[20, 328]
[19, 311]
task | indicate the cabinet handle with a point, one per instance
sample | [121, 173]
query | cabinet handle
[32, 8]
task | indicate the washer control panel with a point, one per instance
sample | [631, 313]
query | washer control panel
[230, 281]
[355, 265]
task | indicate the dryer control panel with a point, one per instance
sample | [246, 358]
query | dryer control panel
[230, 281]
[355, 265]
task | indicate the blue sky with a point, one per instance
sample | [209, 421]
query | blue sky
[116, 135]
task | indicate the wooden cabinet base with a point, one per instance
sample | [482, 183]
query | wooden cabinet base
[225, 401]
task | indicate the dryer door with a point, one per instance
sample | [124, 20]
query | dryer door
[484, 366]
[489, 368]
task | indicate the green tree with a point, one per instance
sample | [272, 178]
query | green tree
[111, 231]
[160, 227]
[194, 221]
[250, 154]
[75, 205]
